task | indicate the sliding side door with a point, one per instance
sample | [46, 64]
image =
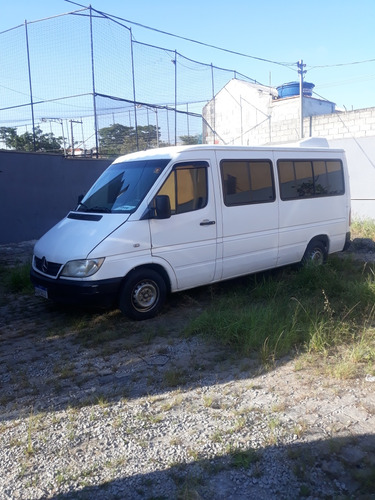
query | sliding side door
[249, 212]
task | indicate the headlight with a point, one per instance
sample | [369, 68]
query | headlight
[82, 268]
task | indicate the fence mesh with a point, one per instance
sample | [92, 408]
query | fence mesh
[79, 83]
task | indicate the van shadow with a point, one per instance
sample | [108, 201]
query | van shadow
[335, 468]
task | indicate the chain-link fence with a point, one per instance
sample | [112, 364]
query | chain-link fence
[79, 83]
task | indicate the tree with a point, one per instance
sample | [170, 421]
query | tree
[119, 139]
[112, 138]
[190, 139]
[25, 142]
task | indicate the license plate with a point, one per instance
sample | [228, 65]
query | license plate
[40, 291]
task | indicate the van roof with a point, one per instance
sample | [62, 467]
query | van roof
[313, 143]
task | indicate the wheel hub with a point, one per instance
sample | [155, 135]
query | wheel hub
[317, 257]
[144, 295]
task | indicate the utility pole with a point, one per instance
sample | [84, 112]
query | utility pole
[57, 120]
[71, 132]
[301, 72]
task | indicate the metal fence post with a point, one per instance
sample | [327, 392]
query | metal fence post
[175, 97]
[93, 87]
[30, 85]
[134, 94]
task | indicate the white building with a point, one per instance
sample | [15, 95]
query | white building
[247, 114]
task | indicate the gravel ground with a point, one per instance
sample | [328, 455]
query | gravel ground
[151, 414]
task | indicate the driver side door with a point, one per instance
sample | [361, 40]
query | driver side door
[187, 240]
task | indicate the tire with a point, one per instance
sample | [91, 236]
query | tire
[316, 254]
[143, 294]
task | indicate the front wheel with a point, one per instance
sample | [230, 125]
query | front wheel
[143, 294]
[316, 254]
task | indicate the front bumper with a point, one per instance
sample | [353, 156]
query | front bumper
[102, 293]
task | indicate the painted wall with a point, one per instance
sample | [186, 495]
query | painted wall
[247, 114]
[237, 110]
[360, 155]
[37, 190]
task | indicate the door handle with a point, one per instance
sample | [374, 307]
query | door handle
[207, 222]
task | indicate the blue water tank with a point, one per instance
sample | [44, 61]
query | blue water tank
[292, 88]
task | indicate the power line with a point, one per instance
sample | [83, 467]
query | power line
[284, 64]
[342, 64]
[105, 14]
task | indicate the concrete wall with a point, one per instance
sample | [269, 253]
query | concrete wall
[332, 126]
[237, 110]
[360, 154]
[37, 190]
[283, 125]
[248, 114]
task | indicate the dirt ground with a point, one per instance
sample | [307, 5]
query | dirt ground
[50, 363]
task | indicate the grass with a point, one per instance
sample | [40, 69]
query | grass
[17, 279]
[314, 309]
[363, 229]
[175, 377]
[243, 458]
[317, 310]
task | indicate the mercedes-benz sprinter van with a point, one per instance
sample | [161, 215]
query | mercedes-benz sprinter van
[170, 219]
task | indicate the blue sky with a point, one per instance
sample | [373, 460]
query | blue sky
[321, 32]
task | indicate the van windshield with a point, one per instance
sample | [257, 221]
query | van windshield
[122, 187]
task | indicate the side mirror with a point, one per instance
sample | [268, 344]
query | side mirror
[162, 207]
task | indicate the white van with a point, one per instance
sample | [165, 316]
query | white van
[175, 218]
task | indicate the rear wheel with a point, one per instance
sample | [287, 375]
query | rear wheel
[316, 254]
[143, 294]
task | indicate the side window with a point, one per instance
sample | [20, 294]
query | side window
[310, 178]
[335, 177]
[186, 187]
[247, 181]
[304, 178]
[320, 178]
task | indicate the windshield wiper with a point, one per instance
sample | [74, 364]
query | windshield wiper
[104, 210]
[84, 208]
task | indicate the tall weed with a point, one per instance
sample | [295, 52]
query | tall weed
[363, 229]
[17, 279]
[315, 308]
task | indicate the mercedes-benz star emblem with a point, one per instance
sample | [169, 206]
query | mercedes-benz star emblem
[44, 265]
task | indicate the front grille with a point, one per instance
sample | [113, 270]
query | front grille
[45, 267]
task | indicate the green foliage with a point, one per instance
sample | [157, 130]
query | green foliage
[190, 139]
[174, 377]
[25, 142]
[244, 458]
[363, 229]
[119, 139]
[17, 279]
[315, 308]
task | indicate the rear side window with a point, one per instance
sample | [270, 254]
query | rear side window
[247, 181]
[186, 187]
[310, 178]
